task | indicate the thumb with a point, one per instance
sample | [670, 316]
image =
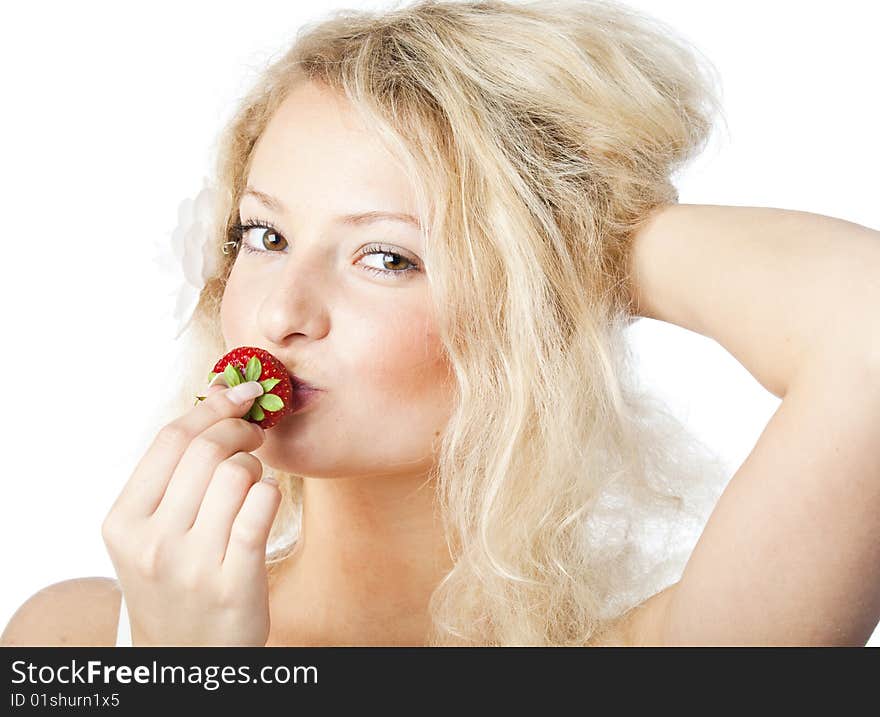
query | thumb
[218, 383]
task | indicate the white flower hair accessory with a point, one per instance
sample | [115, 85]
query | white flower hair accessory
[193, 258]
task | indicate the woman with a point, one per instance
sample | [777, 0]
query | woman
[476, 468]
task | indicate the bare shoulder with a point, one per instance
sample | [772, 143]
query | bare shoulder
[80, 612]
[641, 625]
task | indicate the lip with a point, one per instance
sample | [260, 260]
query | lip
[303, 397]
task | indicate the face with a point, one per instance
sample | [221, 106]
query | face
[345, 306]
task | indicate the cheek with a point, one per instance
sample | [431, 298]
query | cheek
[401, 354]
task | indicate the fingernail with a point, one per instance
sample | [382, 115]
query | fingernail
[244, 392]
[270, 479]
[217, 379]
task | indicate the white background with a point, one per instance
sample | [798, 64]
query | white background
[110, 110]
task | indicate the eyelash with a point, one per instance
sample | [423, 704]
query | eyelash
[239, 228]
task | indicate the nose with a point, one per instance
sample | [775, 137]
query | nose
[296, 302]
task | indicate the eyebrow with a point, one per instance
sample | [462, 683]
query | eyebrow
[355, 219]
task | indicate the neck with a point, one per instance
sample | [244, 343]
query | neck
[369, 555]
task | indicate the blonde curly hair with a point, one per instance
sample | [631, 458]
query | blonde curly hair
[537, 137]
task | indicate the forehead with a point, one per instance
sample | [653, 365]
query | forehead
[315, 155]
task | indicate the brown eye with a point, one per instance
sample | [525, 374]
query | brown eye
[401, 260]
[390, 263]
[272, 239]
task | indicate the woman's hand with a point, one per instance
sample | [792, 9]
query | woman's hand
[187, 534]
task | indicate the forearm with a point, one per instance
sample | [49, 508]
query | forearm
[789, 555]
[781, 290]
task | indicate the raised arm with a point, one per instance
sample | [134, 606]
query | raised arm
[791, 553]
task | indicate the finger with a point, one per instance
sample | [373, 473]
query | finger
[218, 383]
[179, 506]
[225, 495]
[143, 491]
[245, 558]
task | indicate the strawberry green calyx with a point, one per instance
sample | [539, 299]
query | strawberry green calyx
[253, 369]
[268, 384]
[234, 375]
[268, 401]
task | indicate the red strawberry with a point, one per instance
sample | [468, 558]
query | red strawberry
[249, 363]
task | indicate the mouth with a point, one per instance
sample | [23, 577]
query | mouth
[299, 384]
[304, 394]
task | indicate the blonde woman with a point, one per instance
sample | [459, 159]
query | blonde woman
[444, 216]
